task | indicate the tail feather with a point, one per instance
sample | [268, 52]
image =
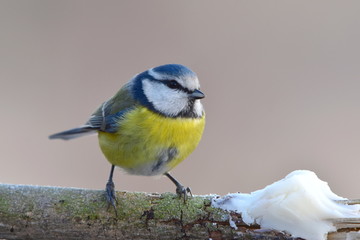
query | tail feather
[74, 133]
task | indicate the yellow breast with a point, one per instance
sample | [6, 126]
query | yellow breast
[150, 144]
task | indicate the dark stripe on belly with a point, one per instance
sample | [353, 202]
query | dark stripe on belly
[164, 157]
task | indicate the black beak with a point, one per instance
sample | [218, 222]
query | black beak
[197, 94]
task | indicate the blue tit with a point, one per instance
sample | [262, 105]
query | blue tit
[150, 125]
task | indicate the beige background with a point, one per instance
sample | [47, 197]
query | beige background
[282, 83]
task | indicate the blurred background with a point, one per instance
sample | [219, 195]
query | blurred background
[281, 78]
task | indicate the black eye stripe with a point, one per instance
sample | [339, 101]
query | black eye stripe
[173, 84]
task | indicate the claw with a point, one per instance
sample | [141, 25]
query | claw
[181, 191]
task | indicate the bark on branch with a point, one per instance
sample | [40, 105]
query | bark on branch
[38, 212]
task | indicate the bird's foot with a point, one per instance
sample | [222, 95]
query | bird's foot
[183, 192]
[110, 195]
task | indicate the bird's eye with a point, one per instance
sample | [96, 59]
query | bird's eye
[173, 84]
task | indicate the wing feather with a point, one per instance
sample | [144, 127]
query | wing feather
[106, 118]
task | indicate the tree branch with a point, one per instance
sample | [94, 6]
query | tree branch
[38, 212]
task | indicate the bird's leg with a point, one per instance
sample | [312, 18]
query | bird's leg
[110, 190]
[180, 189]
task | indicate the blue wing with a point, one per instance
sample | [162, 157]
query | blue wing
[107, 118]
[107, 122]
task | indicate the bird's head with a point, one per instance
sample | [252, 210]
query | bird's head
[172, 90]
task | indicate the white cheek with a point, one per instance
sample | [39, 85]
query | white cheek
[165, 100]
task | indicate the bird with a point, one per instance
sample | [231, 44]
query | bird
[153, 123]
